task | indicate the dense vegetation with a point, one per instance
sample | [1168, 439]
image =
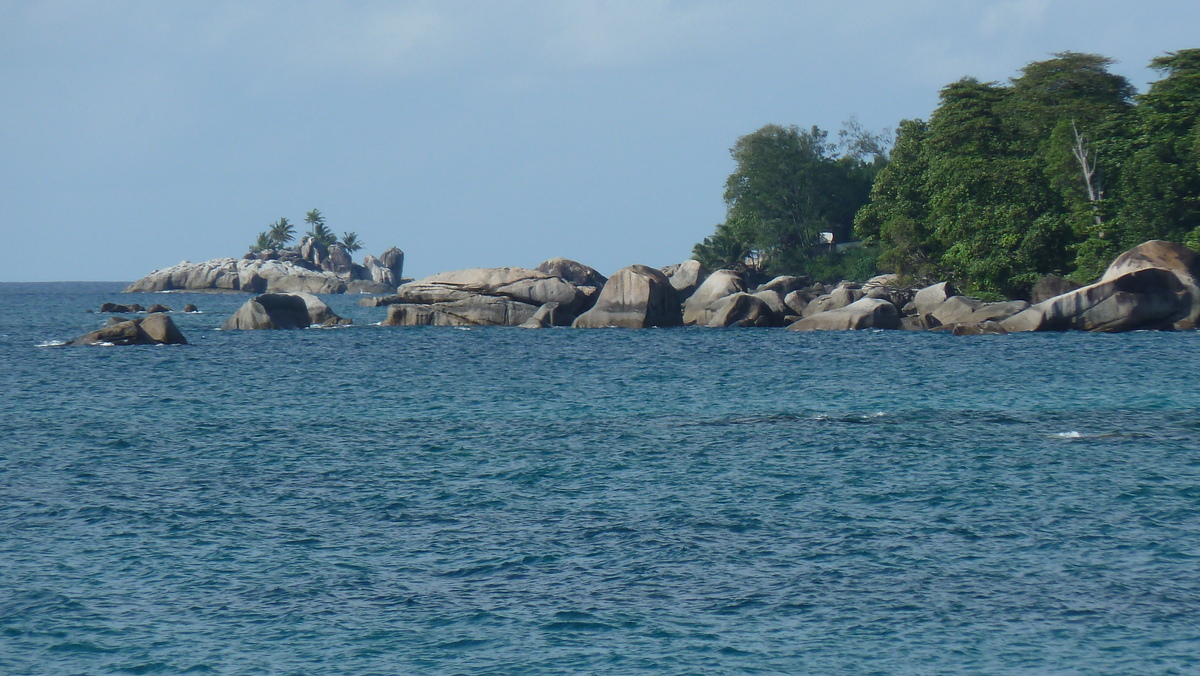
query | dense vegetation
[1057, 171]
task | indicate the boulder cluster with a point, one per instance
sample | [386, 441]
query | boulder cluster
[1153, 286]
[310, 268]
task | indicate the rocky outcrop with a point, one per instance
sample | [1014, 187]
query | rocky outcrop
[698, 310]
[779, 308]
[282, 311]
[784, 285]
[740, 309]
[1146, 298]
[572, 271]
[518, 284]
[229, 274]
[634, 297]
[157, 307]
[121, 308]
[311, 268]
[190, 308]
[956, 309]
[1175, 258]
[686, 277]
[478, 310]
[841, 296]
[930, 298]
[153, 329]
[492, 296]
[865, 313]
[542, 319]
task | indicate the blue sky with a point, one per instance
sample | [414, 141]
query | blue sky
[134, 135]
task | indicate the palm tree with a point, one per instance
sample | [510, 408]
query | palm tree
[281, 233]
[318, 230]
[263, 242]
[350, 242]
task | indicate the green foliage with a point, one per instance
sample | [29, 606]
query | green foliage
[1160, 187]
[857, 264]
[992, 193]
[788, 187]
[263, 242]
[318, 231]
[350, 242]
[281, 233]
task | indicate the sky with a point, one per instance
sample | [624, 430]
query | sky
[135, 135]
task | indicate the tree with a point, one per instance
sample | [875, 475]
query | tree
[1005, 182]
[1160, 182]
[350, 242]
[318, 231]
[281, 233]
[263, 242]
[787, 188]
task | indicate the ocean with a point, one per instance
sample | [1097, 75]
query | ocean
[425, 500]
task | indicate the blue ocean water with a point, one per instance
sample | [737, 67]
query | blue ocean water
[375, 500]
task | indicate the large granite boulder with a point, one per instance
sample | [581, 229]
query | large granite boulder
[635, 297]
[518, 284]
[1176, 258]
[720, 284]
[572, 271]
[470, 311]
[542, 319]
[775, 301]
[281, 311]
[784, 284]
[741, 309]
[338, 261]
[393, 259]
[796, 301]
[286, 277]
[1146, 298]
[686, 277]
[864, 313]
[956, 309]
[842, 296]
[378, 272]
[930, 298]
[153, 329]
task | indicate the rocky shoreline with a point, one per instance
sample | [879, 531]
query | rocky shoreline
[1154, 286]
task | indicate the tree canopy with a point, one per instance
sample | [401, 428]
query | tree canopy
[1057, 171]
[789, 186]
